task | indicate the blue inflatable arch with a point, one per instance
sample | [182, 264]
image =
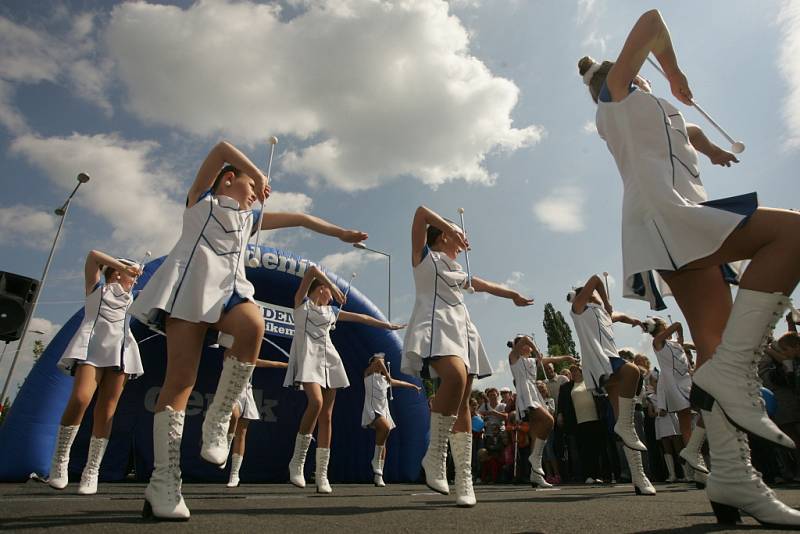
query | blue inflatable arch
[27, 439]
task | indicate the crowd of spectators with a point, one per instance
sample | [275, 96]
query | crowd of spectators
[583, 447]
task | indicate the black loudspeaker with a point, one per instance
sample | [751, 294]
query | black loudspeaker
[16, 300]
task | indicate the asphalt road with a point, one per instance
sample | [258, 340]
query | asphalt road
[33, 507]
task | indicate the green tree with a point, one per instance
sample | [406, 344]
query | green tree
[38, 349]
[559, 334]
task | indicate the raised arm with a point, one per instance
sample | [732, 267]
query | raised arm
[222, 153]
[499, 290]
[95, 261]
[649, 34]
[419, 227]
[313, 272]
[664, 335]
[585, 296]
[368, 320]
[272, 221]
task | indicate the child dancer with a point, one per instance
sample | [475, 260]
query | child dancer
[605, 371]
[376, 414]
[244, 411]
[102, 355]
[675, 384]
[202, 284]
[441, 341]
[670, 228]
[523, 360]
[316, 367]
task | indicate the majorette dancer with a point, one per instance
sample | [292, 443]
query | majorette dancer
[670, 229]
[441, 341]
[102, 356]
[316, 367]
[378, 383]
[200, 285]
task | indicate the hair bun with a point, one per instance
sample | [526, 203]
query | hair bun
[584, 64]
[510, 344]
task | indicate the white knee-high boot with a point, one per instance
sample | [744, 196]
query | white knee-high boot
[733, 484]
[321, 476]
[670, 461]
[692, 454]
[232, 382]
[236, 463]
[641, 484]
[59, 476]
[625, 427]
[162, 496]
[731, 377]
[461, 446]
[91, 471]
[230, 440]
[535, 458]
[377, 466]
[435, 460]
[298, 461]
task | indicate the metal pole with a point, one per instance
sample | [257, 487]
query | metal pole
[389, 317]
[63, 212]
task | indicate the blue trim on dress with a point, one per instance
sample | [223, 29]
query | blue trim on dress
[745, 205]
[605, 94]
[616, 363]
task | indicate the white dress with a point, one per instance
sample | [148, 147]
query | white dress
[596, 337]
[667, 425]
[313, 358]
[104, 338]
[204, 272]
[376, 400]
[247, 404]
[440, 324]
[667, 220]
[523, 371]
[674, 381]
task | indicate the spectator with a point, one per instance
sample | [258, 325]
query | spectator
[779, 370]
[554, 382]
[505, 395]
[578, 416]
[494, 417]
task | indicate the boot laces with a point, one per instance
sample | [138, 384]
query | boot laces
[752, 473]
[464, 474]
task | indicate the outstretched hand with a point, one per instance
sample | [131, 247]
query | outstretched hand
[396, 326]
[353, 236]
[521, 300]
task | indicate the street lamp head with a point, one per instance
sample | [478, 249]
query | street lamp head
[362, 246]
[83, 177]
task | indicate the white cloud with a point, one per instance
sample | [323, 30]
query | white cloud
[342, 263]
[127, 188]
[68, 58]
[789, 66]
[381, 89]
[286, 201]
[10, 117]
[586, 9]
[27, 226]
[562, 210]
[589, 127]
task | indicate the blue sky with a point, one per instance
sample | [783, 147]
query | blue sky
[379, 107]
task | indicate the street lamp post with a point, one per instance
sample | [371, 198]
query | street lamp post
[362, 246]
[62, 212]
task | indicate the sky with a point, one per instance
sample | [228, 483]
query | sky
[379, 107]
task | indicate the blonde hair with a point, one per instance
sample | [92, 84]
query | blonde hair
[596, 83]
